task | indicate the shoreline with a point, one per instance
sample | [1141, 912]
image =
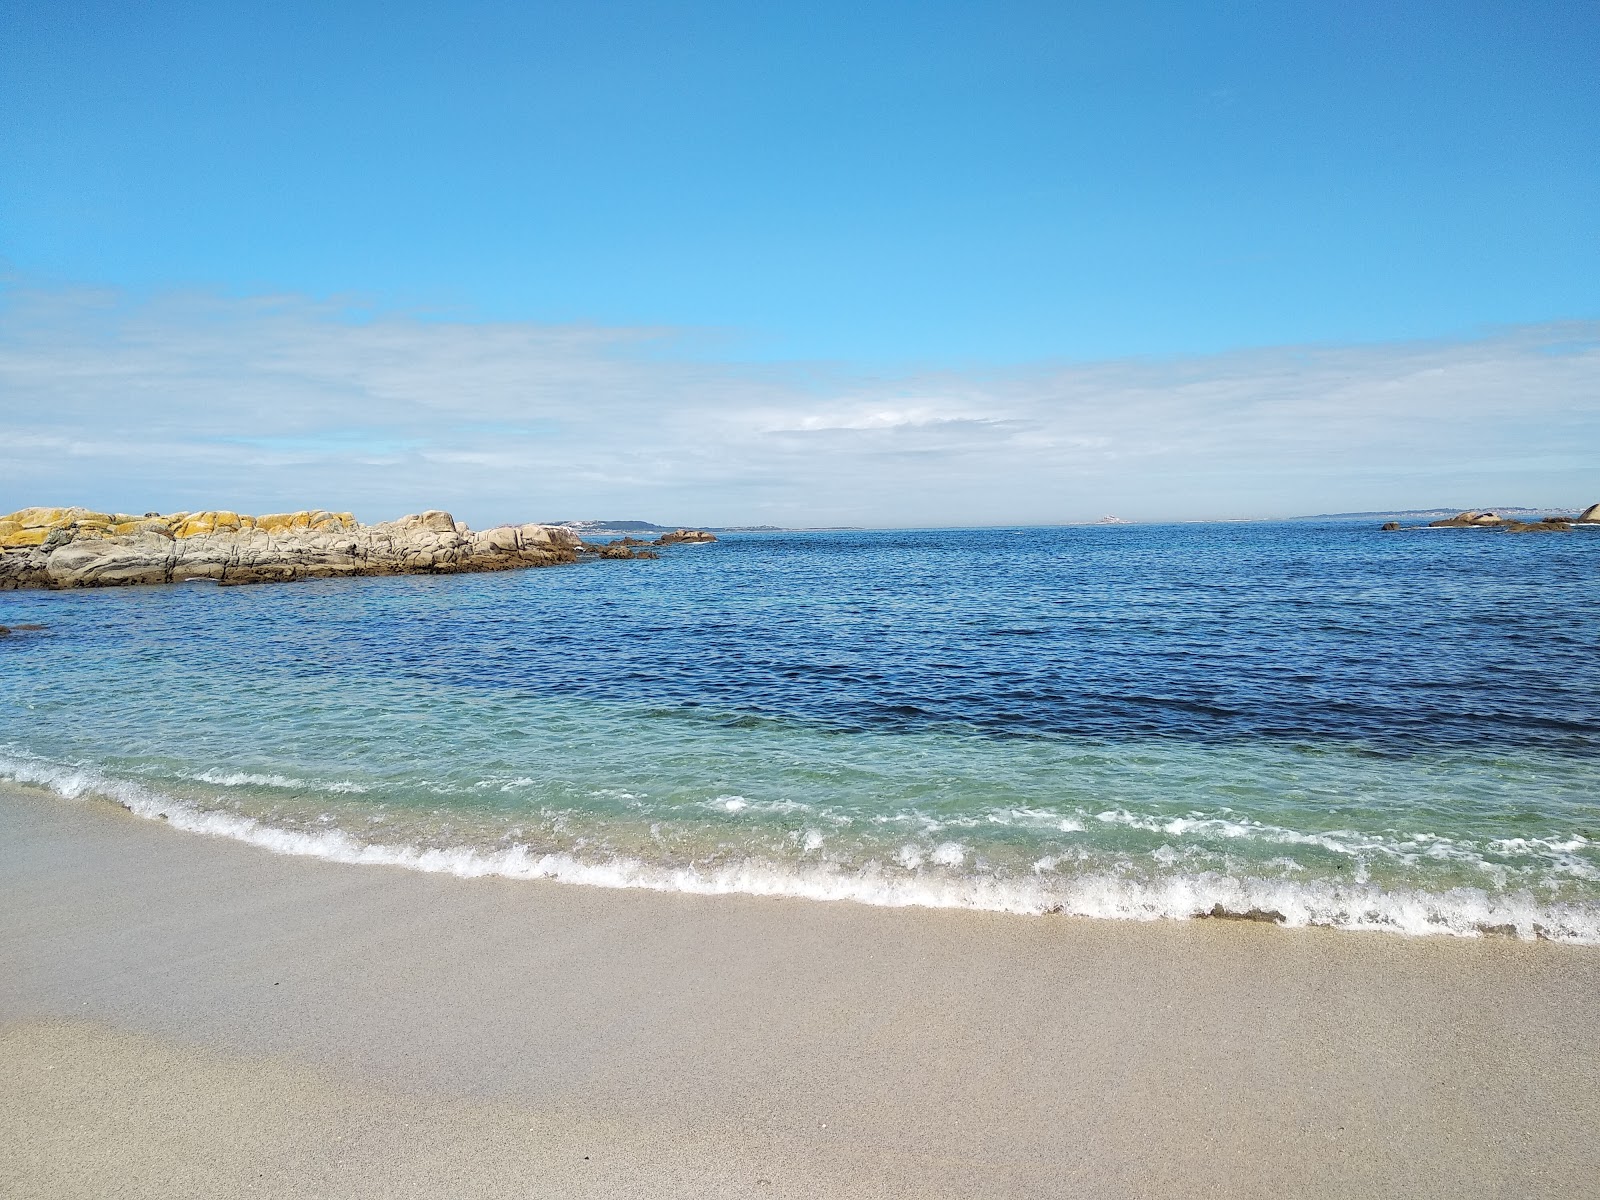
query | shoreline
[1356, 909]
[393, 1032]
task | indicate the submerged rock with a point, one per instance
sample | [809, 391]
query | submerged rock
[1548, 525]
[76, 547]
[621, 549]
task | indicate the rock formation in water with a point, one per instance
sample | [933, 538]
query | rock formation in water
[1490, 520]
[684, 535]
[73, 547]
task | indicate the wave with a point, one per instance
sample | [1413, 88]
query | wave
[1557, 853]
[1462, 912]
[232, 779]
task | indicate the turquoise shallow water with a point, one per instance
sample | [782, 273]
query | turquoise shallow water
[1313, 722]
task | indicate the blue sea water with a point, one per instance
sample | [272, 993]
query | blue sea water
[1312, 722]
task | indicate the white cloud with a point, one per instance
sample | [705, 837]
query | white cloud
[267, 403]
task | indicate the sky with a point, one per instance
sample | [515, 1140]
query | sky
[870, 263]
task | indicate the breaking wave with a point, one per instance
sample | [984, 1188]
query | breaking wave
[232, 779]
[929, 878]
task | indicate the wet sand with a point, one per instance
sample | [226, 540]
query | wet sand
[185, 1016]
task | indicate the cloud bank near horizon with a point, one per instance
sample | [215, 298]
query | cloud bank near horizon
[266, 403]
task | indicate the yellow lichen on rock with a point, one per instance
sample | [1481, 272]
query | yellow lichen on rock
[193, 526]
[224, 521]
[48, 518]
[18, 538]
[30, 527]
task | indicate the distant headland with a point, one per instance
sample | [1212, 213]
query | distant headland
[77, 547]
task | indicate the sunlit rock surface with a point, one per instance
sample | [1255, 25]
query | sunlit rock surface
[75, 547]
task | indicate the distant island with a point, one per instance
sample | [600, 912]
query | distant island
[78, 547]
[626, 528]
[607, 527]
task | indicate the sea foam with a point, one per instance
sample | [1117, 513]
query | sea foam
[917, 880]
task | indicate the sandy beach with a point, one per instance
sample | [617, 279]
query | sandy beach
[186, 1016]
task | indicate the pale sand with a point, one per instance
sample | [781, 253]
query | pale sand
[183, 1016]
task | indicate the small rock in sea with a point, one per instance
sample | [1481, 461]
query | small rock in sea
[1467, 519]
[685, 535]
[1548, 525]
[1390, 526]
[1489, 520]
[621, 549]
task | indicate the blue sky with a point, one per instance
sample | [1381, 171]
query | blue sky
[920, 204]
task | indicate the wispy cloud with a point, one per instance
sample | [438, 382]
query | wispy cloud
[263, 403]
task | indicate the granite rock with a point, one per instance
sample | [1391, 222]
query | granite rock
[76, 547]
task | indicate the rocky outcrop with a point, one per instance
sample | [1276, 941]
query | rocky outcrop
[74, 547]
[1489, 520]
[692, 536]
[623, 548]
[1548, 525]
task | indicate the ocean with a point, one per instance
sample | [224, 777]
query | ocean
[1300, 722]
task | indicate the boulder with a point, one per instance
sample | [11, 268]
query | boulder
[1467, 520]
[507, 539]
[618, 550]
[684, 535]
[1590, 515]
[110, 562]
[1548, 525]
[549, 537]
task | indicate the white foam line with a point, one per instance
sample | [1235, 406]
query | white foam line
[1410, 849]
[1462, 912]
[252, 779]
